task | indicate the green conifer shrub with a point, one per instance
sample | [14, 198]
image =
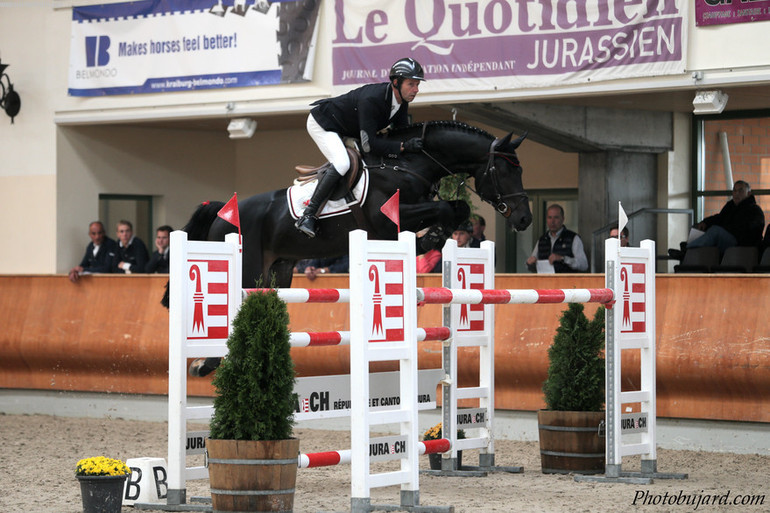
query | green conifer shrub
[576, 371]
[255, 381]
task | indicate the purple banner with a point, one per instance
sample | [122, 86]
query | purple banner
[536, 55]
[494, 44]
[723, 12]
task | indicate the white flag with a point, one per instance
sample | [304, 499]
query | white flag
[622, 219]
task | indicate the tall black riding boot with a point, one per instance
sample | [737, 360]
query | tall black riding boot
[307, 223]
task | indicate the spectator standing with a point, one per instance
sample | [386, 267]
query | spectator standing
[99, 254]
[562, 248]
[479, 225]
[159, 260]
[431, 261]
[623, 235]
[739, 223]
[132, 254]
[463, 235]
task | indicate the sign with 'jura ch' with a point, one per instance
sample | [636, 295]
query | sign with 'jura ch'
[633, 423]
[472, 417]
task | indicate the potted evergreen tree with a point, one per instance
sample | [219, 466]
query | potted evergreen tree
[570, 441]
[250, 446]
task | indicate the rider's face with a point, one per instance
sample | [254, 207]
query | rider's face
[409, 89]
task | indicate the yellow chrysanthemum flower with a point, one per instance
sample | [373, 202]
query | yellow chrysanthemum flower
[101, 466]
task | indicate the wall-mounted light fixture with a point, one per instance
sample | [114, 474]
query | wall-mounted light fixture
[709, 102]
[241, 128]
[10, 101]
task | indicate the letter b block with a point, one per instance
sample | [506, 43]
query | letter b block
[148, 483]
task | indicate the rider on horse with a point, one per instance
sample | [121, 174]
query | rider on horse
[360, 113]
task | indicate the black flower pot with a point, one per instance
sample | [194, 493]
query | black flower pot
[102, 494]
[435, 460]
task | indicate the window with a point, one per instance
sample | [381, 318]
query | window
[134, 208]
[731, 148]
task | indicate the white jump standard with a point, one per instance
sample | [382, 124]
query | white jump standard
[630, 324]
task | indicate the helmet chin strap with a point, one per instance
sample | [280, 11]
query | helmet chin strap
[400, 82]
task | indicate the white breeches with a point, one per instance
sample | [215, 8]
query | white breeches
[330, 145]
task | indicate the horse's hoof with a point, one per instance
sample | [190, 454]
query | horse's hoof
[199, 368]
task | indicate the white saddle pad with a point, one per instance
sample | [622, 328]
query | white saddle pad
[299, 194]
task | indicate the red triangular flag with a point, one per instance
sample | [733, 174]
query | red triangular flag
[390, 209]
[230, 212]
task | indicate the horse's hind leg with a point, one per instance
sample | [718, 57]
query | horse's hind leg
[203, 366]
[281, 273]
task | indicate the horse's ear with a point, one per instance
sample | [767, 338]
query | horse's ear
[502, 143]
[505, 141]
[519, 139]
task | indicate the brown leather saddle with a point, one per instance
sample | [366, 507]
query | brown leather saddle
[345, 187]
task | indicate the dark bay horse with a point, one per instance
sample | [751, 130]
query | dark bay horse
[271, 244]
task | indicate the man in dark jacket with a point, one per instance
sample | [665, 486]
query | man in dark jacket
[739, 223]
[560, 247]
[159, 260]
[132, 254]
[99, 253]
[360, 113]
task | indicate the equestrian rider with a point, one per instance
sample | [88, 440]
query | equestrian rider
[360, 113]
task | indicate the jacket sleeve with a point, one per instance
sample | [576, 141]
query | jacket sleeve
[368, 113]
[84, 261]
[716, 219]
[152, 265]
[142, 257]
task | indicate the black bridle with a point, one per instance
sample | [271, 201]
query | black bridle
[498, 201]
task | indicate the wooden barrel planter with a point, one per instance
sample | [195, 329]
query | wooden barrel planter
[570, 442]
[247, 475]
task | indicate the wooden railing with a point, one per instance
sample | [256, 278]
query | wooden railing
[109, 333]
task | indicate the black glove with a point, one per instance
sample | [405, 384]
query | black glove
[413, 145]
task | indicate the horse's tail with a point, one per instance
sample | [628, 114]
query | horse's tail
[197, 228]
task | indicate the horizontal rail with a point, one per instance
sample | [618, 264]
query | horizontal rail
[331, 458]
[439, 295]
[342, 338]
[307, 295]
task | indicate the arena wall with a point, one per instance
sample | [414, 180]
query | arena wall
[110, 334]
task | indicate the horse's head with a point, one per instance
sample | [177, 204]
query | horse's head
[452, 147]
[500, 183]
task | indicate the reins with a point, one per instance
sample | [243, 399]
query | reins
[498, 202]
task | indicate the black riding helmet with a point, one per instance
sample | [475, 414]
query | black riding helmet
[403, 69]
[406, 68]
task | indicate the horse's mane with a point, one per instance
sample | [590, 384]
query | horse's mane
[446, 124]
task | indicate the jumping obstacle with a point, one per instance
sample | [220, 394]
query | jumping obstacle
[370, 294]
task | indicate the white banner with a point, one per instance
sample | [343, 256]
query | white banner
[156, 46]
[505, 44]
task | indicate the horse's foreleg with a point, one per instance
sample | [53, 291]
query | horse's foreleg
[447, 214]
